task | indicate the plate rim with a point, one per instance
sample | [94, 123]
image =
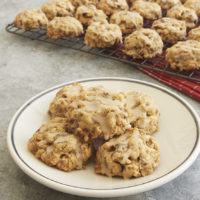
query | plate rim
[89, 192]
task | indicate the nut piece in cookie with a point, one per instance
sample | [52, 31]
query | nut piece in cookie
[111, 6]
[31, 19]
[64, 27]
[194, 34]
[127, 21]
[148, 10]
[181, 12]
[142, 111]
[171, 30]
[57, 148]
[133, 154]
[167, 4]
[102, 35]
[58, 8]
[184, 55]
[143, 43]
[78, 3]
[88, 14]
[193, 4]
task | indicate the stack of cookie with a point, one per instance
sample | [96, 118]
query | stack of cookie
[113, 128]
[106, 22]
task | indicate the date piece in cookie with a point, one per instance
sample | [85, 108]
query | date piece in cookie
[133, 154]
[143, 43]
[181, 12]
[57, 148]
[111, 6]
[78, 3]
[194, 34]
[58, 8]
[64, 27]
[171, 30]
[167, 4]
[184, 55]
[31, 19]
[127, 21]
[148, 10]
[193, 4]
[88, 14]
[142, 111]
[102, 35]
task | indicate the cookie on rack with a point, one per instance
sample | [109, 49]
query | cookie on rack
[194, 34]
[171, 30]
[128, 21]
[148, 10]
[88, 14]
[193, 4]
[57, 148]
[181, 12]
[142, 111]
[133, 154]
[167, 4]
[102, 34]
[31, 19]
[64, 27]
[111, 6]
[77, 3]
[58, 8]
[143, 43]
[184, 55]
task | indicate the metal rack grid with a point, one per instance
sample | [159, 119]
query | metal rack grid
[116, 53]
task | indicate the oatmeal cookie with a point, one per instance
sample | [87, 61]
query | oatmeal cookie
[148, 10]
[193, 4]
[64, 27]
[78, 3]
[183, 13]
[142, 111]
[171, 30]
[30, 19]
[184, 55]
[58, 8]
[88, 14]
[57, 148]
[133, 154]
[111, 6]
[127, 21]
[194, 34]
[102, 35]
[167, 4]
[143, 43]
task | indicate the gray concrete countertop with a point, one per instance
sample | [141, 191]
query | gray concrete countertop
[28, 67]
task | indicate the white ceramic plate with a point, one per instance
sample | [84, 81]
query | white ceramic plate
[178, 139]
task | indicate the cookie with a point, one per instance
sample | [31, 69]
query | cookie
[30, 19]
[148, 10]
[58, 8]
[88, 14]
[171, 30]
[183, 13]
[193, 4]
[133, 154]
[102, 35]
[167, 4]
[77, 3]
[184, 55]
[143, 43]
[111, 6]
[142, 111]
[57, 148]
[194, 34]
[64, 27]
[127, 21]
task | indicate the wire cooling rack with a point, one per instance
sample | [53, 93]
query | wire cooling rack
[116, 53]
